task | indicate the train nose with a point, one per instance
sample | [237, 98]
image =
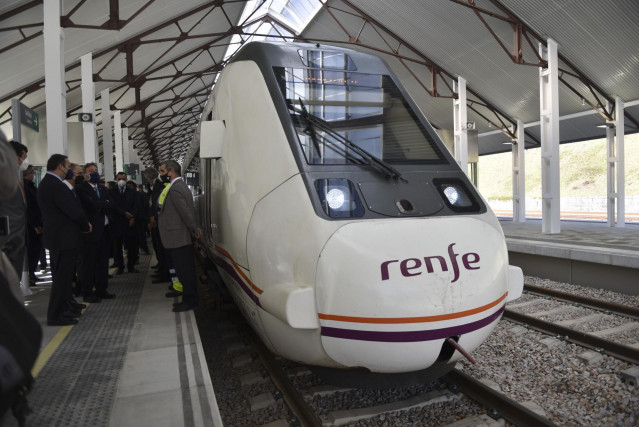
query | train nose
[390, 292]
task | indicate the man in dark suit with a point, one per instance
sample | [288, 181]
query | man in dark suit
[162, 267]
[177, 229]
[34, 224]
[140, 219]
[126, 209]
[95, 255]
[64, 222]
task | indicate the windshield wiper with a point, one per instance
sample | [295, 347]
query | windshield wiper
[370, 159]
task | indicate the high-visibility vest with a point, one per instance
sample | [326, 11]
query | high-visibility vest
[163, 196]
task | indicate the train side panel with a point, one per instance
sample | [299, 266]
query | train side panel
[256, 157]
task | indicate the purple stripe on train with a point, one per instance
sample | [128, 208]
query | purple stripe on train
[230, 270]
[410, 336]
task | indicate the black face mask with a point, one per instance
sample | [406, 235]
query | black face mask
[79, 179]
[165, 178]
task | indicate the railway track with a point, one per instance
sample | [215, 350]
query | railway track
[606, 307]
[498, 405]
[297, 397]
[625, 352]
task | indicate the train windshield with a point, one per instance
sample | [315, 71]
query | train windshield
[351, 113]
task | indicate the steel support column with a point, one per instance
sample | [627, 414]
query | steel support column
[611, 166]
[126, 150]
[117, 132]
[107, 135]
[88, 106]
[549, 120]
[621, 168]
[519, 175]
[460, 114]
[54, 86]
[616, 168]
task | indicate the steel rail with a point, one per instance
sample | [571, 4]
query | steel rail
[619, 351]
[608, 307]
[295, 401]
[504, 406]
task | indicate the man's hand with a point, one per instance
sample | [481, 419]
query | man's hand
[90, 229]
[131, 222]
[128, 215]
[38, 229]
[198, 234]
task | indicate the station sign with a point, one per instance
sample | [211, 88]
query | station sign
[132, 169]
[192, 178]
[29, 118]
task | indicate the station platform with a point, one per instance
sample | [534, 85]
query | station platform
[587, 253]
[130, 361]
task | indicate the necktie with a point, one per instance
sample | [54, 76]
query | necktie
[97, 191]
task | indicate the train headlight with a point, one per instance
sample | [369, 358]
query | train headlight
[335, 198]
[456, 195]
[339, 198]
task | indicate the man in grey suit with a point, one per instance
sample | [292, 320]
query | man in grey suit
[176, 221]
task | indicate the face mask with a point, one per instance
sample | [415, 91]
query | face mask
[165, 178]
[121, 183]
[94, 177]
[24, 165]
[79, 179]
[69, 174]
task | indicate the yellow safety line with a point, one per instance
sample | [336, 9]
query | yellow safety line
[45, 354]
[50, 348]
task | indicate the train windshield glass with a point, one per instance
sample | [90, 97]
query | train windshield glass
[347, 108]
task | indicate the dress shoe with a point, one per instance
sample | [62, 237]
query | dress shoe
[172, 294]
[72, 314]
[92, 299]
[133, 270]
[120, 271]
[62, 321]
[183, 306]
[105, 295]
[156, 266]
[78, 305]
[160, 280]
[113, 265]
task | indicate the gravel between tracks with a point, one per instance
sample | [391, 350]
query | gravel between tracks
[599, 294]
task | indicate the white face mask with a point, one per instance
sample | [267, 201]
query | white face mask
[121, 183]
[24, 165]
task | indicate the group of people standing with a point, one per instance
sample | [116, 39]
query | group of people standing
[83, 223]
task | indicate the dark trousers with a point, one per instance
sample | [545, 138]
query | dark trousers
[131, 244]
[160, 252]
[103, 265]
[142, 227]
[184, 264]
[62, 268]
[43, 258]
[90, 267]
[34, 246]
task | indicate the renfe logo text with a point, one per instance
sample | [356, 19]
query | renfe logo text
[415, 266]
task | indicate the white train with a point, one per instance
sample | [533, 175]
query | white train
[343, 228]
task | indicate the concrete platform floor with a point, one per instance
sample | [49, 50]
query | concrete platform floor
[129, 361]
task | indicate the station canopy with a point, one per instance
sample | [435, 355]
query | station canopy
[161, 58]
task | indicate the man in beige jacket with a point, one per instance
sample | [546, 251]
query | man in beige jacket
[178, 227]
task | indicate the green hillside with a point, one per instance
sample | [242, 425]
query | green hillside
[582, 170]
